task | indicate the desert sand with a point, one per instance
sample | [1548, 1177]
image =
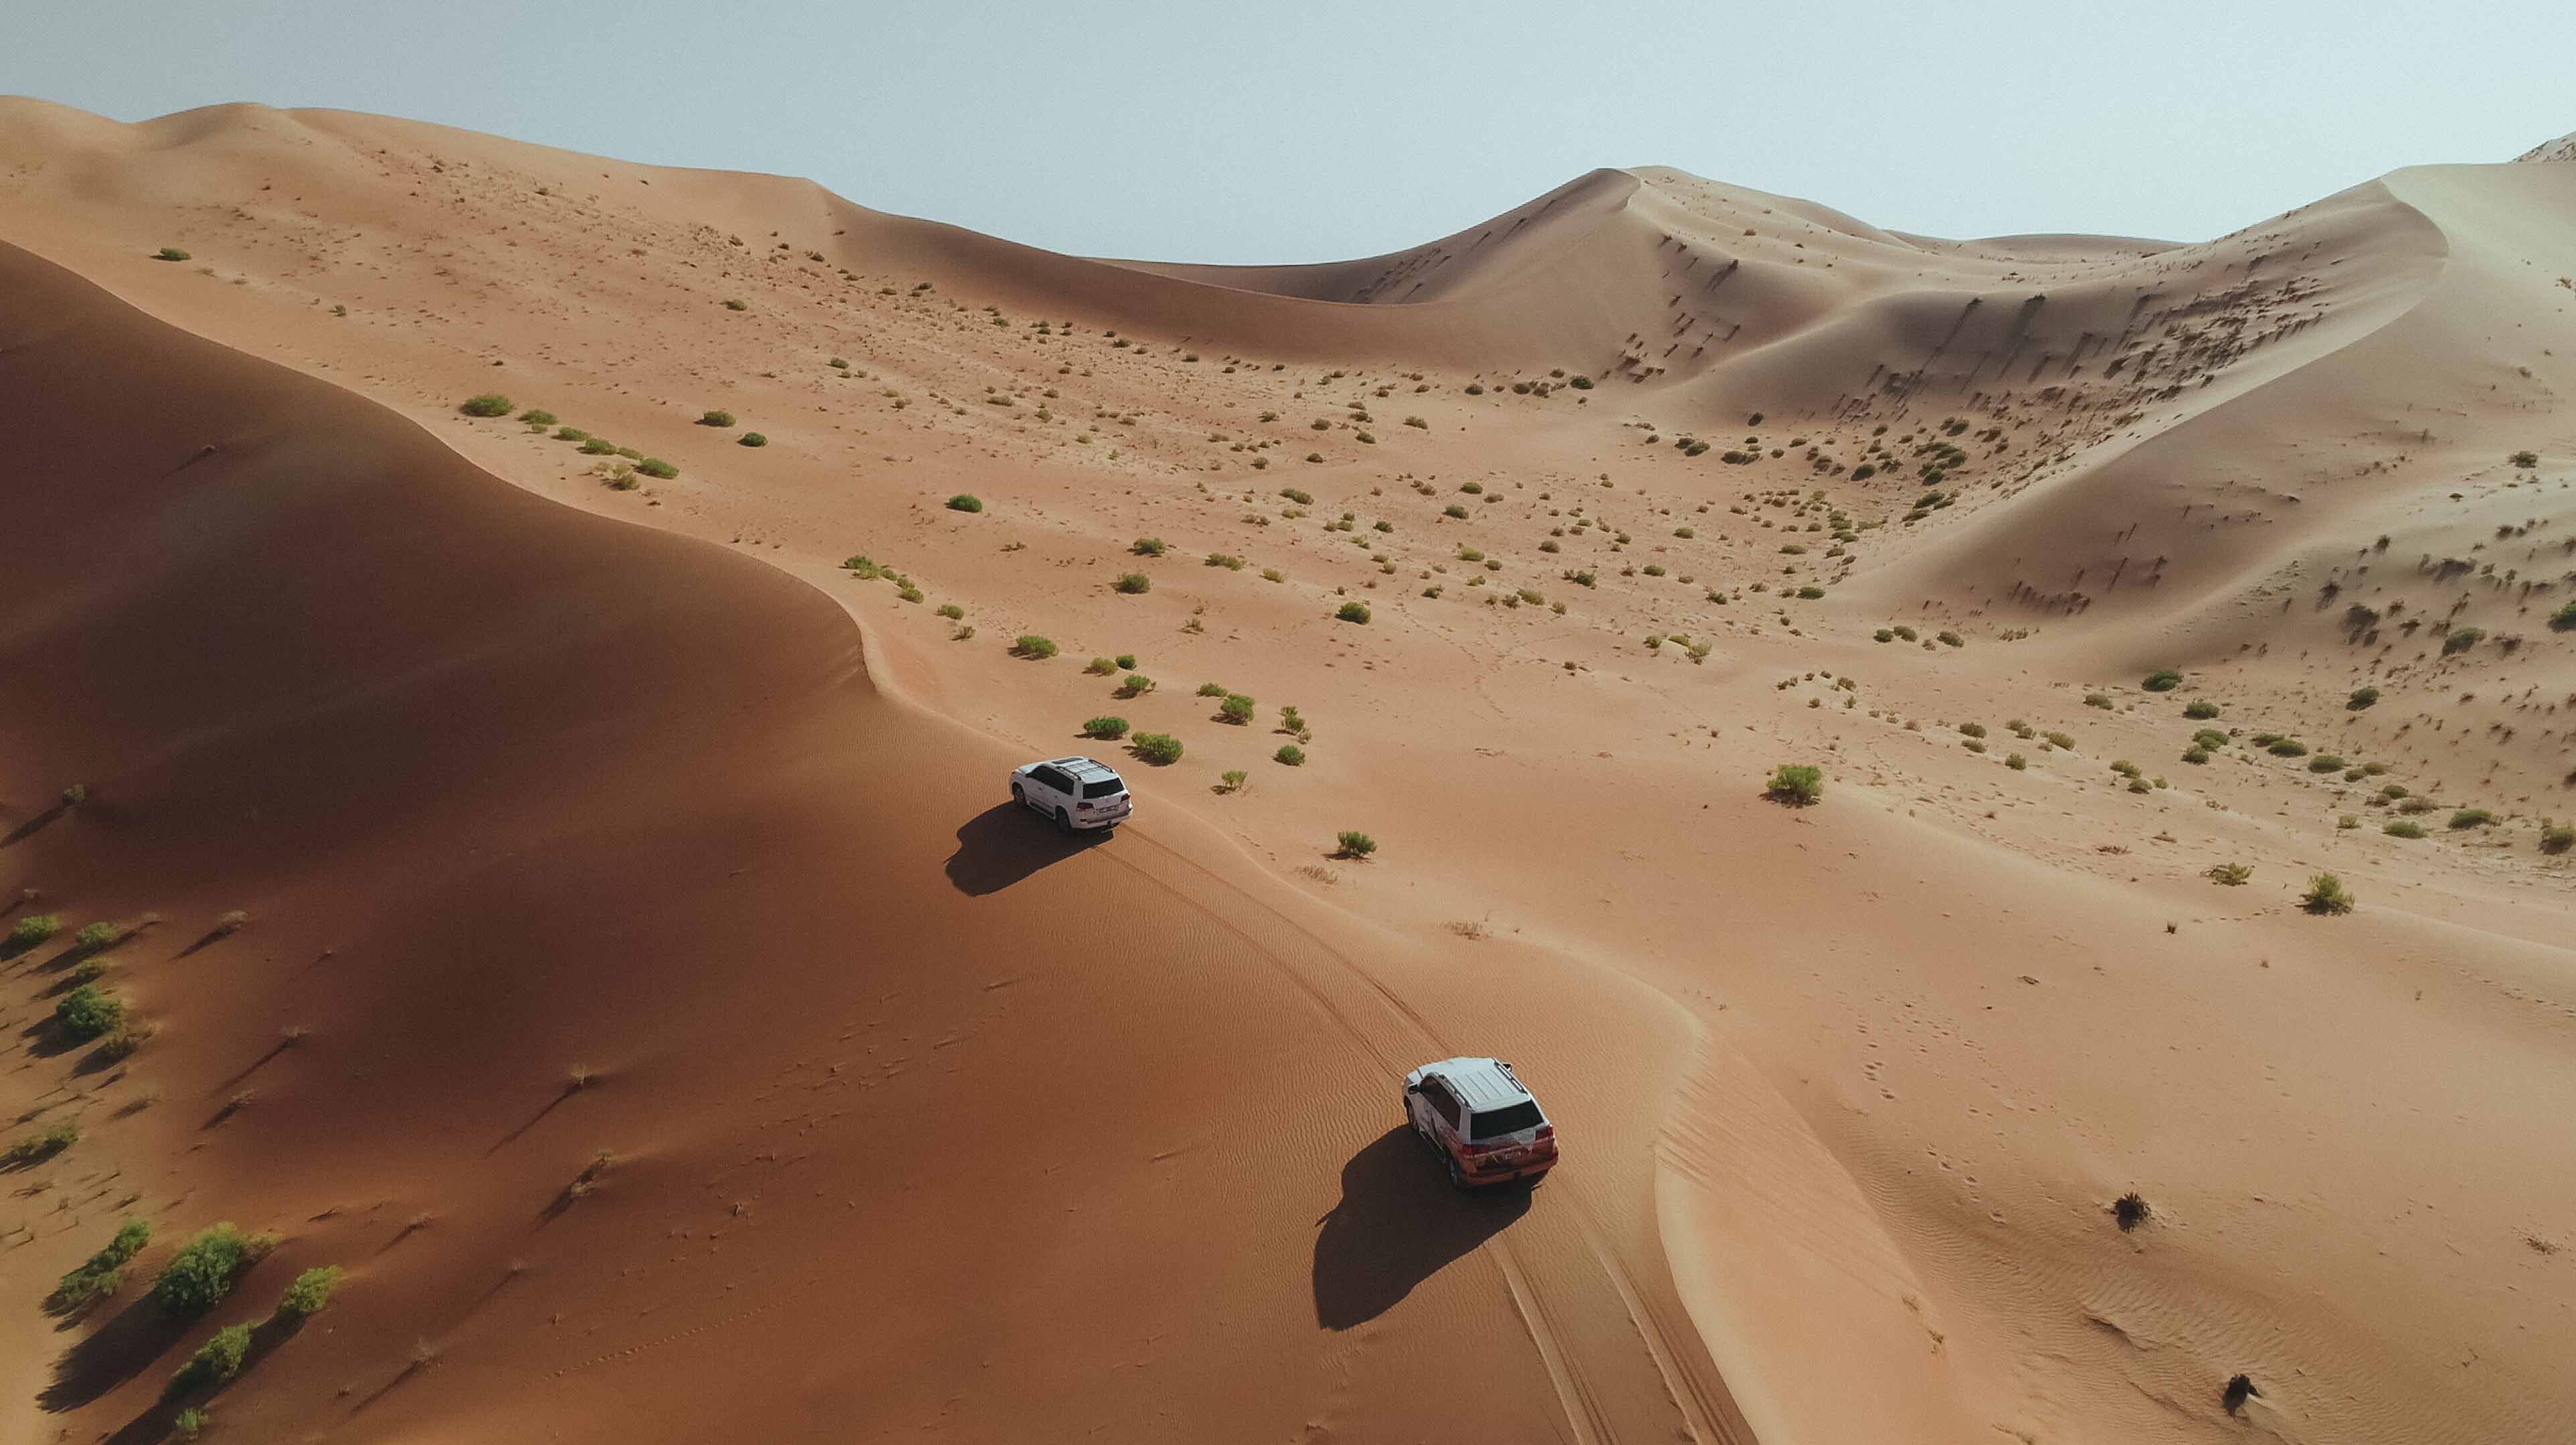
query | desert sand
[577, 905]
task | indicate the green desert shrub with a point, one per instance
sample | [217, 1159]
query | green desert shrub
[33, 929]
[1134, 584]
[1227, 560]
[1232, 780]
[2210, 738]
[43, 1144]
[965, 502]
[951, 611]
[1300, 498]
[96, 937]
[2098, 699]
[2403, 828]
[1100, 666]
[1160, 749]
[754, 439]
[310, 1292]
[2326, 763]
[87, 1012]
[716, 418]
[1136, 684]
[597, 447]
[2461, 639]
[1290, 754]
[1235, 708]
[1796, 784]
[1148, 547]
[2326, 895]
[2362, 697]
[2200, 708]
[1111, 727]
[538, 418]
[2287, 748]
[656, 467]
[1352, 612]
[2195, 755]
[2472, 818]
[217, 1360]
[2557, 838]
[103, 1273]
[170, 253]
[2231, 875]
[1354, 845]
[490, 403]
[1033, 646]
[2163, 679]
[2063, 742]
[2564, 619]
[199, 1276]
[2016, 762]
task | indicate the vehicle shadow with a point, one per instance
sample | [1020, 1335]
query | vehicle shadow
[1006, 843]
[1398, 1224]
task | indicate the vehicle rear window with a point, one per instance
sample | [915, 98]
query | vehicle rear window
[1512, 1120]
[1109, 789]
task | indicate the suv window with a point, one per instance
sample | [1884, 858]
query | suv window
[1443, 1103]
[1106, 788]
[1053, 779]
[1510, 1119]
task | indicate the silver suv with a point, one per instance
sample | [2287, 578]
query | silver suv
[1477, 1117]
[1077, 792]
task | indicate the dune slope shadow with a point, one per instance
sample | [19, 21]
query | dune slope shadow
[1398, 1224]
[1006, 843]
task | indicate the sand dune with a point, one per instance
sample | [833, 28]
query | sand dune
[918, 1120]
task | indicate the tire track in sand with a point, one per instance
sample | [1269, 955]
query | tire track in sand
[1698, 1400]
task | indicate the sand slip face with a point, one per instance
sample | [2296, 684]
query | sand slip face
[1848, 1090]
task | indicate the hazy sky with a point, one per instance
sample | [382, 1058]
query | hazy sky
[1294, 132]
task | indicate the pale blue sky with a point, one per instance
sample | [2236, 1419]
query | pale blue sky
[1295, 132]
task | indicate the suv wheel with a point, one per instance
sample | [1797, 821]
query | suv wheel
[1457, 1179]
[1018, 797]
[1064, 822]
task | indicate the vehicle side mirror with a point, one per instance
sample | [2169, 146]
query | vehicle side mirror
[1413, 1088]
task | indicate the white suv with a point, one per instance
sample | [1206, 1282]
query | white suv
[1477, 1117]
[1077, 792]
